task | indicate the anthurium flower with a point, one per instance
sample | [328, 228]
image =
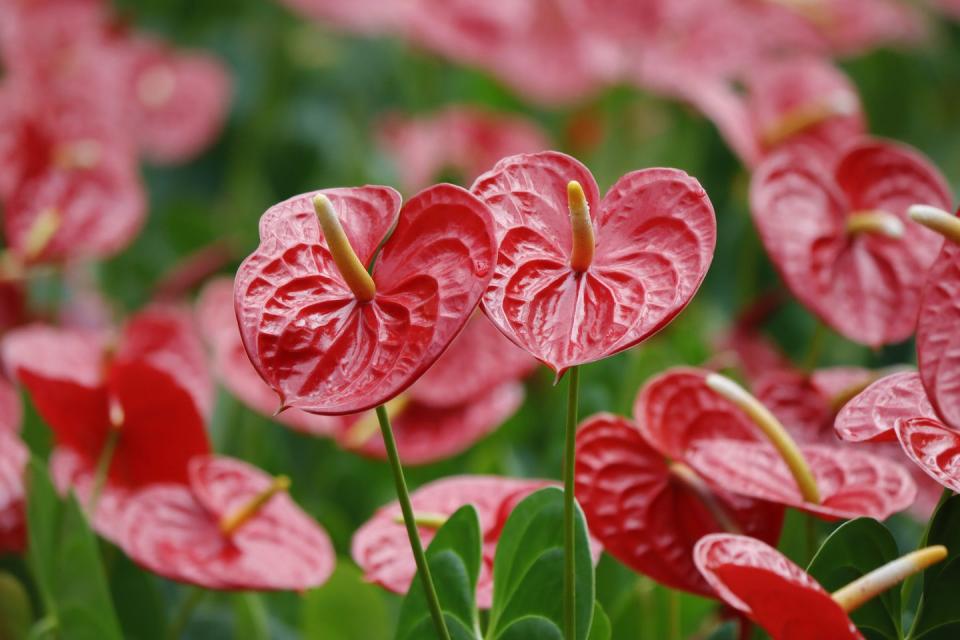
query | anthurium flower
[230, 527]
[461, 139]
[331, 338]
[125, 416]
[13, 461]
[921, 410]
[788, 603]
[380, 546]
[717, 428]
[178, 99]
[799, 100]
[853, 258]
[578, 279]
[648, 511]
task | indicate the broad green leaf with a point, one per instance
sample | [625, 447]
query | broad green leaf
[855, 548]
[528, 571]
[16, 614]
[345, 608]
[65, 559]
[600, 629]
[938, 617]
[454, 557]
[137, 598]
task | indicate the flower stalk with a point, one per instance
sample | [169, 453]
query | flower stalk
[569, 507]
[410, 520]
[773, 430]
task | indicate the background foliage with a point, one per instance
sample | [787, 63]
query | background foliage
[302, 118]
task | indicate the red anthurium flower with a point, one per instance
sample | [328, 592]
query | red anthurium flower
[328, 337]
[218, 323]
[380, 546]
[230, 527]
[649, 512]
[855, 261]
[786, 601]
[713, 425]
[178, 100]
[139, 407]
[578, 279]
[873, 414]
[801, 100]
[465, 140]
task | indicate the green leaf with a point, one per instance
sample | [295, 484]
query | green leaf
[345, 608]
[137, 598]
[528, 571]
[600, 629]
[65, 560]
[454, 557]
[938, 617]
[16, 613]
[854, 549]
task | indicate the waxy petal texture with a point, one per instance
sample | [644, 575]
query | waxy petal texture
[174, 531]
[758, 580]
[872, 415]
[381, 547]
[938, 347]
[676, 409]
[308, 335]
[655, 234]
[934, 447]
[218, 323]
[851, 483]
[866, 286]
[643, 514]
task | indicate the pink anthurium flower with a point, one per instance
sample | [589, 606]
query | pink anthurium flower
[578, 278]
[230, 527]
[841, 239]
[649, 511]
[332, 339]
[717, 428]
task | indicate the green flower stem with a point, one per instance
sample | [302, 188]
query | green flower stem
[569, 519]
[185, 612]
[409, 520]
[103, 469]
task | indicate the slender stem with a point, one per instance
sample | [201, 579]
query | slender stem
[409, 520]
[184, 613]
[103, 469]
[674, 601]
[569, 521]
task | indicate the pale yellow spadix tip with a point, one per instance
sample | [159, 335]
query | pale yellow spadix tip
[351, 269]
[774, 431]
[943, 222]
[875, 221]
[581, 254]
[869, 586]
